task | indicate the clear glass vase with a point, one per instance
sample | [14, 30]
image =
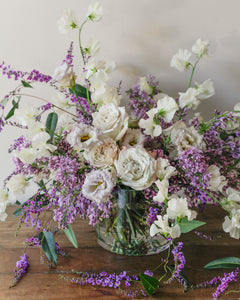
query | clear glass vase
[126, 231]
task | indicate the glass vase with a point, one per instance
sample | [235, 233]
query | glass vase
[125, 231]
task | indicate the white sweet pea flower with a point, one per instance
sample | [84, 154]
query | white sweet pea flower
[180, 61]
[17, 184]
[92, 47]
[132, 138]
[237, 107]
[178, 208]
[64, 75]
[103, 155]
[5, 199]
[83, 136]
[136, 168]
[60, 100]
[26, 155]
[151, 125]
[200, 48]
[111, 120]
[205, 89]
[95, 12]
[98, 185]
[161, 225]
[26, 115]
[164, 170]
[233, 198]
[39, 142]
[162, 194]
[67, 22]
[144, 86]
[166, 107]
[189, 98]
[232, 225]
[108, 95]
[217, 181]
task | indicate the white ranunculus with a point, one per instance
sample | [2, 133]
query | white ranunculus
[63, 74]
[150, 126]
[200, 48]
[109, 95]
[144, 86]
[164, 170]
[136, 168]
[161, 225]
[67, 22]
[95, 12]
[98, 185]
[92, 47]
[26, 115]
[132, 138]
[103, 155]
[180, 61]
[111, 120]
[17, 184]
[216, 182]
[205, 89]
[166, 107]
[232, 225]
[189, 98]
[83, 136]
[162, 194]
[178, 207]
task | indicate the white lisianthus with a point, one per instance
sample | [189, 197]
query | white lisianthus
[95, 12]
[205, 89]
[200, 48]
[136, 168]
[26, 115]
[232, 225]
[64, 75]
[151, 125]
[189, 98]
[166, 107]
[111, 120]
[161, 225]
[217, 181]
[162, 194]
[39, 142]
[144, 86]
[17, 184]
[103, 155]
[178, 208]
[132, 138]
[67, 22]
[109, 95]
[98, 185]
[92, 47]
[83, 136]
[164, 170]
[180, 61]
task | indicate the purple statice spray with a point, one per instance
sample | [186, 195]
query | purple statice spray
[21, 268]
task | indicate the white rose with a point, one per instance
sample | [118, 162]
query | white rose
[98, 185]
[133, 138]
[189, 98]
[63, 74]
[67, 22]
[233, 225]
[166, 107]
[136, 168]
[206, 89]
[216, 182]
[144, 86]
[180, 61]
[200, 48]
[178, 207]
[162, 194]
[95, 12]
[111, 120]
[83, 136]
[161, 225]
[103, 155]
[17, 184]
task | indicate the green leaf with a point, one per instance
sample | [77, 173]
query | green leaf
[48, 245]
[80, 91]
[149, 283]
[226, 262]
[187, 226]
[51, 124]
[12, 110]
[26, 84]
[17, 212]
[71, 236]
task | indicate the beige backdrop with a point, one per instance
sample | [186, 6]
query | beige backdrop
[140, 35]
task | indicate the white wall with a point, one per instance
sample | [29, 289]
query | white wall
[140, 35]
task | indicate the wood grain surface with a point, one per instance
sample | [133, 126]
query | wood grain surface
[42, 282]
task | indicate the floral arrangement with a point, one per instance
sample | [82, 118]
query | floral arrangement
[85, 152]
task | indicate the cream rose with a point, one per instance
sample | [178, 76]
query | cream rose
[136, 168]
[111, 120]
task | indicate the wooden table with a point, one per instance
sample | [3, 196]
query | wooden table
[40, 282]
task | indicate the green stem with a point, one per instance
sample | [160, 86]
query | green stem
[130, 223]
[193, 69]
[80, 43]
[80, 105]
